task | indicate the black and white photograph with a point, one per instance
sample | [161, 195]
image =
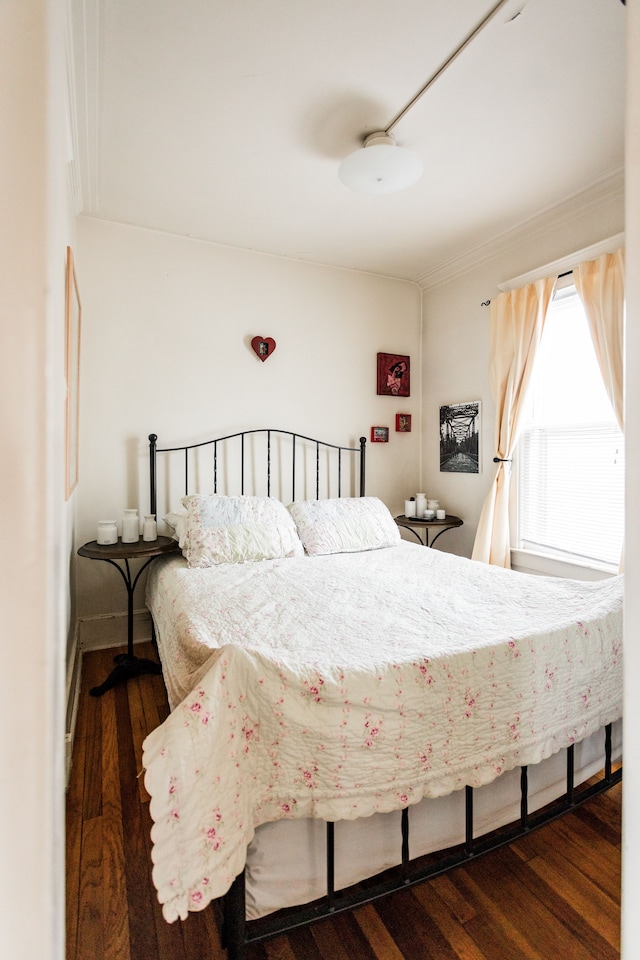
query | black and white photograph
[459, 437]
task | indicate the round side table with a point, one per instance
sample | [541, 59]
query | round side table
[127, 664]
[422, 528]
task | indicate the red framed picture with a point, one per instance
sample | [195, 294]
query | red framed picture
[403, 422]
[379, 434]
[393, 375]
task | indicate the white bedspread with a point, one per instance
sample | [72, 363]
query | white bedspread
[339, 686]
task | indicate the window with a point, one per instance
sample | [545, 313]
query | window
[571, 451]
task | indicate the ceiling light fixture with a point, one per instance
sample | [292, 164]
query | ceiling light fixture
[380, 166]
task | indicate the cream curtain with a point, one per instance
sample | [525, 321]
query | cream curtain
[600, 286]
[517, 321]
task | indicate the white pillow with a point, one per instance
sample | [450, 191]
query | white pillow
[237, 529]
[344, 525]
[176, 519]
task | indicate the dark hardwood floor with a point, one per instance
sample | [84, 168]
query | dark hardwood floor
[554, 895]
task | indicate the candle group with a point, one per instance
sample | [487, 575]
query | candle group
[420, 508]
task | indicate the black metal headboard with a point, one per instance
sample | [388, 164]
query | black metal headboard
[323, 465]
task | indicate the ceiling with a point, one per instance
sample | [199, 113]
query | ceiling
[226, 120]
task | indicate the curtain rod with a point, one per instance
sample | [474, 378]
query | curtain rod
[567, 273]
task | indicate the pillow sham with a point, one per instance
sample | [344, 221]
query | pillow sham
[176, 519]
[222, 529]
[344, 525]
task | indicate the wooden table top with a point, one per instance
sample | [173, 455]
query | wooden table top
[128, 551]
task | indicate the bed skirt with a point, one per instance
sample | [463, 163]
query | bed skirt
[330, 868]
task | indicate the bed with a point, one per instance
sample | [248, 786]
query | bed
[356, 699]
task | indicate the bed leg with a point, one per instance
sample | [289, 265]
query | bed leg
[524, 797]
[331, 864]
[607, 749]
[570, 765]
[404, 826]
[234, 920]
[468, 818]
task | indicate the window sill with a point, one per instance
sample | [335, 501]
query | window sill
[526, 561]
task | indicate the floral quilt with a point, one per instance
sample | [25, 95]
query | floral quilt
[339, 686]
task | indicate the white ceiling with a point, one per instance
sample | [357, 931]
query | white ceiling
[225, 120]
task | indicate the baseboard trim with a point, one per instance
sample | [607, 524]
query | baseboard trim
[95, 633]
[110, 630]
[74, 679]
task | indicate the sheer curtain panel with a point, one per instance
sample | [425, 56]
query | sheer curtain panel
[517, 322]
[600, 286]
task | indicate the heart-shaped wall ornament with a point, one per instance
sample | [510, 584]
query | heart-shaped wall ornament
[263, 347]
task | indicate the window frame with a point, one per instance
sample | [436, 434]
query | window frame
[547, 563]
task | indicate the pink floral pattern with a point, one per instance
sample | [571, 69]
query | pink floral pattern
[220, 529]
[339, 686]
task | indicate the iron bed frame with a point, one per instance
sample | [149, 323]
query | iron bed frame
[237, 931]
[270, 435]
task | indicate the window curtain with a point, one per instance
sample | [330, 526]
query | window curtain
[517, 321]
[600, 286]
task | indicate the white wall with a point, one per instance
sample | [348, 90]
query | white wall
[35, 227]
[167, 324]
[456, 350]
[631, 804]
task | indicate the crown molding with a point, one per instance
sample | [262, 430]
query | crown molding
[592, 252]
[84, 71]
[72, 150]
[596, 194]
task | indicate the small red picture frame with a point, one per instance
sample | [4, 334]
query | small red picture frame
[379, 434]
[403, 422]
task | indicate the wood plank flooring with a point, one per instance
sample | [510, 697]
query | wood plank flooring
[554, 894]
